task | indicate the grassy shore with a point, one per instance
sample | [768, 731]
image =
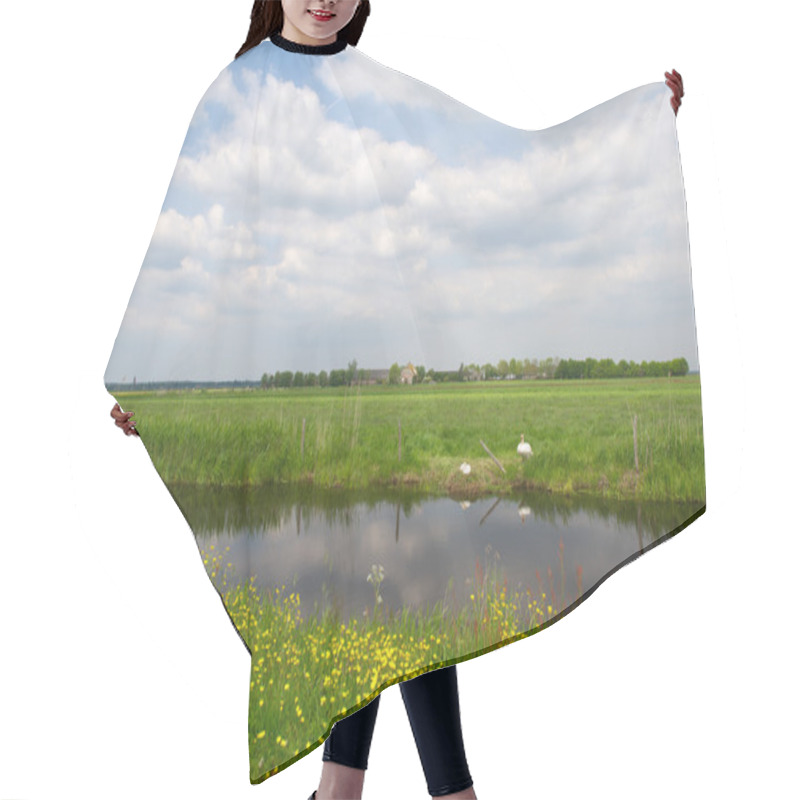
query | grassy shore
[581, 433]
[308, 672]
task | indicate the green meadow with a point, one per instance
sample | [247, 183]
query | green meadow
[581, 433]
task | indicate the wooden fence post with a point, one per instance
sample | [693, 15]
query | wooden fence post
[492, 456]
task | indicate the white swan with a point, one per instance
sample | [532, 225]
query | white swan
[523, 448]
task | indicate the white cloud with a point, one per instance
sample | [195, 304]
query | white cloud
[294, 224]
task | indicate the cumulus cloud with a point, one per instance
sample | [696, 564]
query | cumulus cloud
[206, 236]
[298, 239]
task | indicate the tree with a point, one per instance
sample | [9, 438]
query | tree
[299, 379]
[350, 375]
[569, 369]
[605, 368]
[337, 377]
[679, 366]
[547, 368]
[529, 368]
[322, 378]
[420, 374]
[394, 373]
[265, 379]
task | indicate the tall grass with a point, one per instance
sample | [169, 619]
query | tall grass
[581, 433]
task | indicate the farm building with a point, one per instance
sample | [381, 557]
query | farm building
[408, 374]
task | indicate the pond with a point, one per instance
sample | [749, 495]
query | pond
[323, 544]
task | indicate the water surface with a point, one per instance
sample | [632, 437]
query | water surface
[322, 544]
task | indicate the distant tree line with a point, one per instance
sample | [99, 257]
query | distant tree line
[336, 377]
[158, 386]
[511, 369]
[607, 368]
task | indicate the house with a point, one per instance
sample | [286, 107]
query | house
[408, 374]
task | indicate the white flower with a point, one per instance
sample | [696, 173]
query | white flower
[465, 468]
[377, 573]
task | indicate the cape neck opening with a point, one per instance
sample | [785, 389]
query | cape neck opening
[308, 49]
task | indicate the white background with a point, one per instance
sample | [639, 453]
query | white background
[120, 674]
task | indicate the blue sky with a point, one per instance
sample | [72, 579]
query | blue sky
[330, 208]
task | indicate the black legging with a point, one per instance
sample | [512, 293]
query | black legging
[432, 705]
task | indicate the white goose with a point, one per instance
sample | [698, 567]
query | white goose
[523, 448]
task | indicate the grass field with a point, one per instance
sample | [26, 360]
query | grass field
[581, 433]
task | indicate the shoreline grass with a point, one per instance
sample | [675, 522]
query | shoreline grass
[581, 433]
[307, 672]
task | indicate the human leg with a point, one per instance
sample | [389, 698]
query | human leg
[345, 755]
[432, 705]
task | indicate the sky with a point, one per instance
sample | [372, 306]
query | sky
[325, 209]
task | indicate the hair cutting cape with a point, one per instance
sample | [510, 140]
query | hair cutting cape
[418, 381]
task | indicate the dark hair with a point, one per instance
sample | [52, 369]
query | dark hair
[266, 18]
